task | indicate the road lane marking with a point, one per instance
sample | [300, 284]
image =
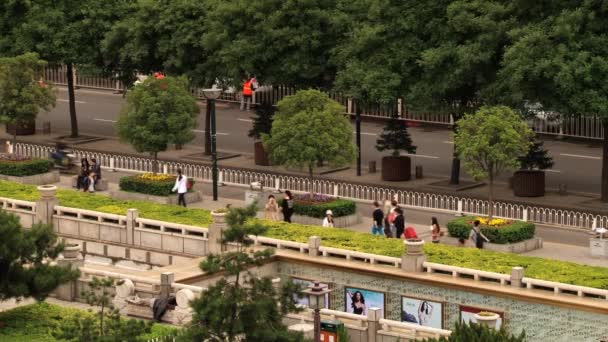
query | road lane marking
[245, 120]
[202, 131]
[365, 133]
[549, 170]
[104, 120]
[420, 155]
[448, 142]
[579, 156]
[62, 100]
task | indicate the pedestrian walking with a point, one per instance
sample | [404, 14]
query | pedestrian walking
[287, 206]
[247, 94]
[387, 214]
[476, 236]
[377, 219]
[399, 222]
[328, 221]
[271, 209]
[435, 230]
[181, 186]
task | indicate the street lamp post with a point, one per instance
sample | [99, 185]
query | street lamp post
[211, 95]
[316, 293]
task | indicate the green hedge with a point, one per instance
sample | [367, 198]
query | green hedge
[150, 187]
[36, 323]
[77, 199]
[339, 207]
[515, 232]
[25, 168]
[535, 267]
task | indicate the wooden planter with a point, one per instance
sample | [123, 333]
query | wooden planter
[529, 183]
[25, 128]
[396, 169]
[260, 155]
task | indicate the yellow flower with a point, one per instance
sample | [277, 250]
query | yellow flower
[159, 177]
[493, 222]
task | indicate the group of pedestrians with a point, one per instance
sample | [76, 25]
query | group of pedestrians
[390, 221]
[90, 174]
[272, 209]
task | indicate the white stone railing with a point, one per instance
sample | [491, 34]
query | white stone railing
[409, 330]
[559, 288]
[458, 272]
[17, 205]
[90, 215]
[359, 256]
[280, 244]
[141, 283]
[353, 320]
[174, 228]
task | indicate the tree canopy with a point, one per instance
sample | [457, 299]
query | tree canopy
[308, 127]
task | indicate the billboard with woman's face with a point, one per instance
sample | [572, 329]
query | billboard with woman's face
[358, 301]
[422, 312]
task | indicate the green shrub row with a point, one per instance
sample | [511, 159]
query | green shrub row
[515, 232]
[149, 187]
[339, 207]
[535, 267]
[36, 322]
[25, 168]
[105, 204]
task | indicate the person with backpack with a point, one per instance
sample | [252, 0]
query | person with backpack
[476, 236]
[181, 185]
[287, 206]
[377, 218]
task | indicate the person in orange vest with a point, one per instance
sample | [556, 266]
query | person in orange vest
[247, 93]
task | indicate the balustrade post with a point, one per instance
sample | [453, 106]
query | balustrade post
[459, 210]
[165, 169]
[220, 181]
[517, 274]
[594, 223]
[314, 242]
[335, 190]
[112, 165]
[525, 215]
[72, 258]
[216, 230]
[166, 279]
[373, 324]
[132, 216]
[45, 205]
[413, 256]
[277, 184]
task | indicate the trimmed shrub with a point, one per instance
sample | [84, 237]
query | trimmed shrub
[150, 184]
[479, 333]
[24, 167]
[515, 231]
[319, 204]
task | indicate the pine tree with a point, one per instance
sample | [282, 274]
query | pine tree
[262, 121]
[395, 137]
[537, 158]
[25, 255]
[241, 305]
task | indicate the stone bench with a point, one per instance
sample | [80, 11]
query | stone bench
[102, 184]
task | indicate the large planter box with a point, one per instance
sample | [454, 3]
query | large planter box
[26, 128]
[339, 222]
[191, 197]
[260, 155]
[517, 247]
[529, 183]
[599, 247]
[39, 179]
[396, 169]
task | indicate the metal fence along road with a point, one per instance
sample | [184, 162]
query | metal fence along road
[365, 193]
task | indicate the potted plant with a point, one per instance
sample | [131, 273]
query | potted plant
[487, 318]
[414, 246]
[262, 124]
[396, 138]
[71, 251]
[529, 180]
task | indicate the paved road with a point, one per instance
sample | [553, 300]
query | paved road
[576, 164]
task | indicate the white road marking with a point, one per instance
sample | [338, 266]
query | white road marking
[104, 120]
[365, 133]
[550, 170]
[63, 100]
[245, 120]
[579, 156]
[420, 155]
[448, 142]
[202, 131]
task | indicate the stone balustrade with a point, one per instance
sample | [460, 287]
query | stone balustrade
[409, 331]
[559, 288]
[458, 272]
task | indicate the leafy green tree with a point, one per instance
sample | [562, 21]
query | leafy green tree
[489, 142]
[24, 255]
[21, 94]
[395, 137]
[571, 79]
[472, 332]
[537, 157]
[158, 112]
[309, 127]
[241, 306]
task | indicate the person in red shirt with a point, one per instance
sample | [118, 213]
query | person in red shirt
[247, 93]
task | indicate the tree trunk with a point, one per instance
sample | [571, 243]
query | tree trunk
[207, 130]
[490, 195]
[72, 100]
[605, 162]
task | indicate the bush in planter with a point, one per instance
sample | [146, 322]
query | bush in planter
[395, 137]
[262, 124]
[497, 230]
[19, 166]
[529, 181]
[317, 204]
[151, 184]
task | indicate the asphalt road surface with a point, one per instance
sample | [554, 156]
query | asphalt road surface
[576, 164]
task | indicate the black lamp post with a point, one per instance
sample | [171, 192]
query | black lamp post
[316, 300]
[211, 95]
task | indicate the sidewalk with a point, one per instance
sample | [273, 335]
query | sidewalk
[564, 250]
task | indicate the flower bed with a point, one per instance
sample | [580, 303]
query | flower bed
[535, 267]
[76, 199]
[499, 231]
[317, 204]
[20, 166]
[151, 184]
